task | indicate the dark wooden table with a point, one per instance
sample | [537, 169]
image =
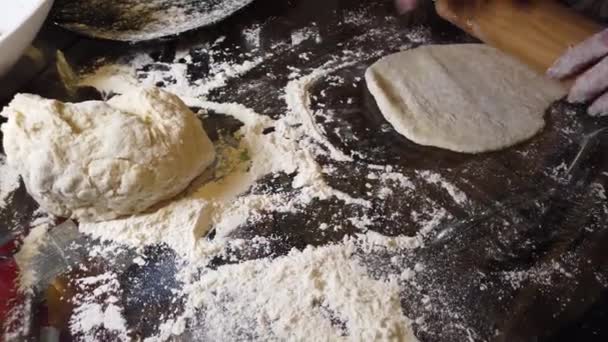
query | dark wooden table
[463, 274]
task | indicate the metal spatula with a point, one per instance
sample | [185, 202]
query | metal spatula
[139, 20]
[65, 247]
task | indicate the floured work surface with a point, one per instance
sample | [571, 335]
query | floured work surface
[329, 172]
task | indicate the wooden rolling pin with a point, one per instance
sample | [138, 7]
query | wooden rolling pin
[535, 31]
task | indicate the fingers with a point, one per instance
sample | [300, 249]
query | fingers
[580, 56]
[599, 107]
[406, 6]
[590, 84]
[459, 12]
[457, 7]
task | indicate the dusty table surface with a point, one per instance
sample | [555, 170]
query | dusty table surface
[560, 239]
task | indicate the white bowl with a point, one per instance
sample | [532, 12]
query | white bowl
[20, 21]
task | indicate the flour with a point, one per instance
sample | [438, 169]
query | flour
[31, 245]
[389, 180]
[361, 223]
[118, 157]
[298, 102]
[559, 173]
[542, 274]
[252, 36]
[434, 96]
[216, 204]
[419, 35]
[9, 181]
[434, 178]
[433, 218]
[233, 230]
[121, 77]
[599, 190]
[304, 34]
[317, 294]
[400, 179]
[260, 291]
[372, 241]
[140, 21]
[287, 149]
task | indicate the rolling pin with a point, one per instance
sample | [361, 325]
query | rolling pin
[536, 32]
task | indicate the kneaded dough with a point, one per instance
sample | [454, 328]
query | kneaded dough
[99, 160]
[465, 97]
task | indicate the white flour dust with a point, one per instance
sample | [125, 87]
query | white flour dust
[298, 102]
[323, 288]
[435, 178]
[242, 297]
[252, 36]
[9, 182]
[317, 294]
[90, 316]
[304, 34]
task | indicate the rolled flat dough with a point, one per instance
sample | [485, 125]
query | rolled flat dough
[465, 97]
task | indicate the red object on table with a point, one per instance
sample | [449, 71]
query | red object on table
[8, 281]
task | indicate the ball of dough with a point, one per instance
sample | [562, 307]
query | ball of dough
[464, 97]
[97, 160]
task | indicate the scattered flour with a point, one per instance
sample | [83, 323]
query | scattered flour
[216, 203]
[435, 178]
[91, 314]
[599, 190]
[398, 178]
[303, 34]
[31, 245]
[252, 36]
[322, 293]
[419, 35]
[298, 102]
[318, 294]
[121, 77]
[135, 21]
[435, 217]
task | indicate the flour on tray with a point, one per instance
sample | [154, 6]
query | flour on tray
[332, 292]
[9, 182]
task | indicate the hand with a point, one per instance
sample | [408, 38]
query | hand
[592, 84]
[406, 6]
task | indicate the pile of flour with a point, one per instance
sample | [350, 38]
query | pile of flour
[318, 293]
[9, 181]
